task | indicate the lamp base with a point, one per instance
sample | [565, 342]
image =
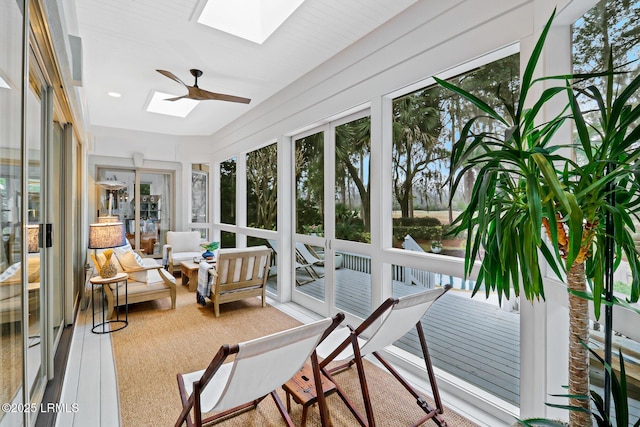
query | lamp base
[108, 269]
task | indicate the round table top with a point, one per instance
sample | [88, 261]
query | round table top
[99, 280]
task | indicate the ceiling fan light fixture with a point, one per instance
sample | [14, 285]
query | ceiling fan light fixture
[180, 108]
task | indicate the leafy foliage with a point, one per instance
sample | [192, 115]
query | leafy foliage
[262, 187]
[527, 183]
[228, 191]
[620, 400]
[353, 149]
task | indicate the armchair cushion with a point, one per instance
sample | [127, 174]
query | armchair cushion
[184, 241]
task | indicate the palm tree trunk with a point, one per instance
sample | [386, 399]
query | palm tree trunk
[578, 354]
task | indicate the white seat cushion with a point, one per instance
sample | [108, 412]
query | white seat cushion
[183, 241]
[184, 256]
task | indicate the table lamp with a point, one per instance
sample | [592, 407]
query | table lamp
[32, 238]
[105, 236]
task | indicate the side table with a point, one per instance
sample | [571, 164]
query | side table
[102, 282]
[302, 388]
[189, 272]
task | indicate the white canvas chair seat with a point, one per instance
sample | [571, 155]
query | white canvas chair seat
[387, 324]
[260, 367]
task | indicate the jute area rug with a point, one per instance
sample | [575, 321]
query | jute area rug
[159, 342]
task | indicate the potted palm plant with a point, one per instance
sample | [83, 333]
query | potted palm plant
[528, 183]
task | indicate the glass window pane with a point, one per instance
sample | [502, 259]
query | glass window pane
[309, 165]
[228, 192]
[204, 233]
[200, 193]
[480, 344]
[353, 150]
[615, 25]
[11, 332]
[262, 187]
[425, 125]
[227, 239]
[353, 283]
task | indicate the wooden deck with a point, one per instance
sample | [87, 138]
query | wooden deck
[469, 338]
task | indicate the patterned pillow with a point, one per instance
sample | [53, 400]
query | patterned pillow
[129, 260]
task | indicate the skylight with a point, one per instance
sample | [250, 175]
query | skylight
[179, 108]
[254, 20]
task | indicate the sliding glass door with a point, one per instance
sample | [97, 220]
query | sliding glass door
[143, 200]
[332, 232]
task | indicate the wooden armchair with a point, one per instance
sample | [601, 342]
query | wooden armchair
[239, 274]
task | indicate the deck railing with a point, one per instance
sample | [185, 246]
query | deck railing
[409, 276]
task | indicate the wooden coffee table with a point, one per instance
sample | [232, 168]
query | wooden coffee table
[189, 270]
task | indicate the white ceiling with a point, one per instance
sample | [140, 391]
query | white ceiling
[125, 41]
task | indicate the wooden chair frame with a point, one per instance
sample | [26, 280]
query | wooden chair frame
[434, 414]
[229, 290]
[192, 401]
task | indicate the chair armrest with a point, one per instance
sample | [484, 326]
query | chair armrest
[168, 278]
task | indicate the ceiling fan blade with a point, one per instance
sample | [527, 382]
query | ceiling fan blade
[202, 94]
[171, 76]
[177, 98]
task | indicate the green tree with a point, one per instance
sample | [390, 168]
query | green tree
[262, 187]
[416, 128]
[228, 191]
[309, 165]
[353, 145]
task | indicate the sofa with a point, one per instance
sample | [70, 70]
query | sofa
[11, 289]
[147, 279]
[181, 246]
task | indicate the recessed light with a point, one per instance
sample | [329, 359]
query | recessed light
[180, 108]
[253, 20]
[114, 94]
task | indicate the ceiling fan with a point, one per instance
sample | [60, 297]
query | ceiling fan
[200, 94]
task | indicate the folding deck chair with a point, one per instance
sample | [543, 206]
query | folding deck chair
[300, 263]
[306, 256]
[259, 368]
[388, 323]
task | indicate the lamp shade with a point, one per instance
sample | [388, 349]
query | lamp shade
[111, 185]
[32, 237]
[106, 235]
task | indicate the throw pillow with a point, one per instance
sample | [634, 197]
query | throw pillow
[129, 261]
